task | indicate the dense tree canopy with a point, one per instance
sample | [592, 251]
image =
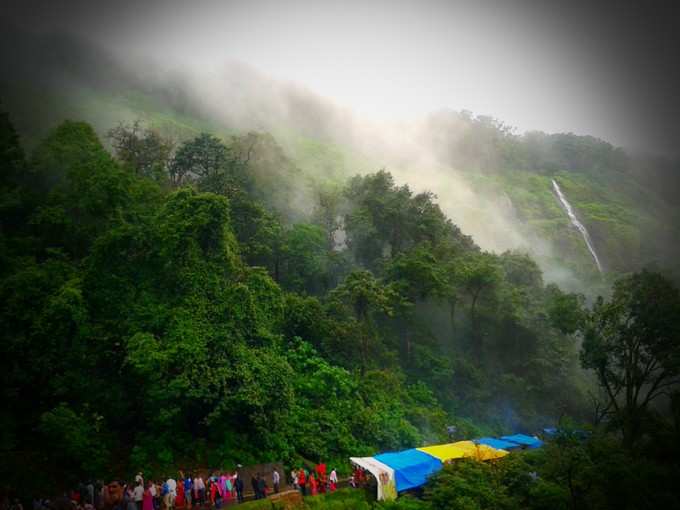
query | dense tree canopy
[168, 309]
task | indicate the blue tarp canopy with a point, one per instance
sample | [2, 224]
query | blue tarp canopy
[411, 467]
[523, 440]
[499, 444]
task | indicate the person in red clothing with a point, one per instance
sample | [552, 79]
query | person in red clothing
[312, 484]
[213, 492]
[179, 499]
[302, 481]
[323, 483]
[320, 477]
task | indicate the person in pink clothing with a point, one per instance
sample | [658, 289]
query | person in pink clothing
[147, 501]
[221, 486]
[334, 480]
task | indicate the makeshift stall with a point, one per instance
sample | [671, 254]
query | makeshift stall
[411, 467]
[499, 444]
[461, 449]
[399, 471]
[383, 474]
[523, 440]
[447, 452]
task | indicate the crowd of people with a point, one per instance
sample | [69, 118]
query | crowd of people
[182, 493]
[185, 492]
[314, 482]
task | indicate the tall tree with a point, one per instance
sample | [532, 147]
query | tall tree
[11, 153]
[81, 189]
[327, 214]
[144, 149]
[416, 275]
[12, 172]
[365, 296]
[305, 260]
[479, 274]
[203, 157]
[632, 342]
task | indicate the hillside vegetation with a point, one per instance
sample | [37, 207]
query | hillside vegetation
[182, 291]
[171, 312]
[631, 219]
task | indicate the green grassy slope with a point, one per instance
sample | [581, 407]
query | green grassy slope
[35, 112]
[621, 216]
[539, 212]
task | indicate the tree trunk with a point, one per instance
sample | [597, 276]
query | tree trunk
[476, 338]
[452, 314]
[364, 354]
[366, 332]
[630, 427]
[407, 340]
[277, 269]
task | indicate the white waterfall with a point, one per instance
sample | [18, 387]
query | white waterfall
[574, 220]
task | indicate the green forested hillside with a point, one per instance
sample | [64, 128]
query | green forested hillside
[627, 201]
[616, 196]
[632, 224]
[181, 291]
[203, 268]
[170, 313]
[163, 310]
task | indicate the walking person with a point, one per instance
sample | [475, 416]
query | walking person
[200, 487]
[172, 488]
[334, 480]
[195, 487]
[261, 486]
[302, 482]
[180, 501]
[213, 490]
[228, 488]
[238, 484]
[89, 491]
[147, 501]
[165, 494]
[188, 487]
[130, 498]
[218, 494]
[138, 494]
[312, 484]
[157, 495]
[276, 479]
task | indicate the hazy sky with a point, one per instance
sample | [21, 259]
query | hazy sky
[555, 66]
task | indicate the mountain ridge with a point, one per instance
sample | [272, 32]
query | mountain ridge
[474, 164]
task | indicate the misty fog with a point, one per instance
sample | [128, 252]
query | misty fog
[389, 93]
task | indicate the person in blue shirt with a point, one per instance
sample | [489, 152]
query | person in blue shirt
[188, 485]
[165, 492]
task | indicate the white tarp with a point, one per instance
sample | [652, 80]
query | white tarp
[384, 475]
